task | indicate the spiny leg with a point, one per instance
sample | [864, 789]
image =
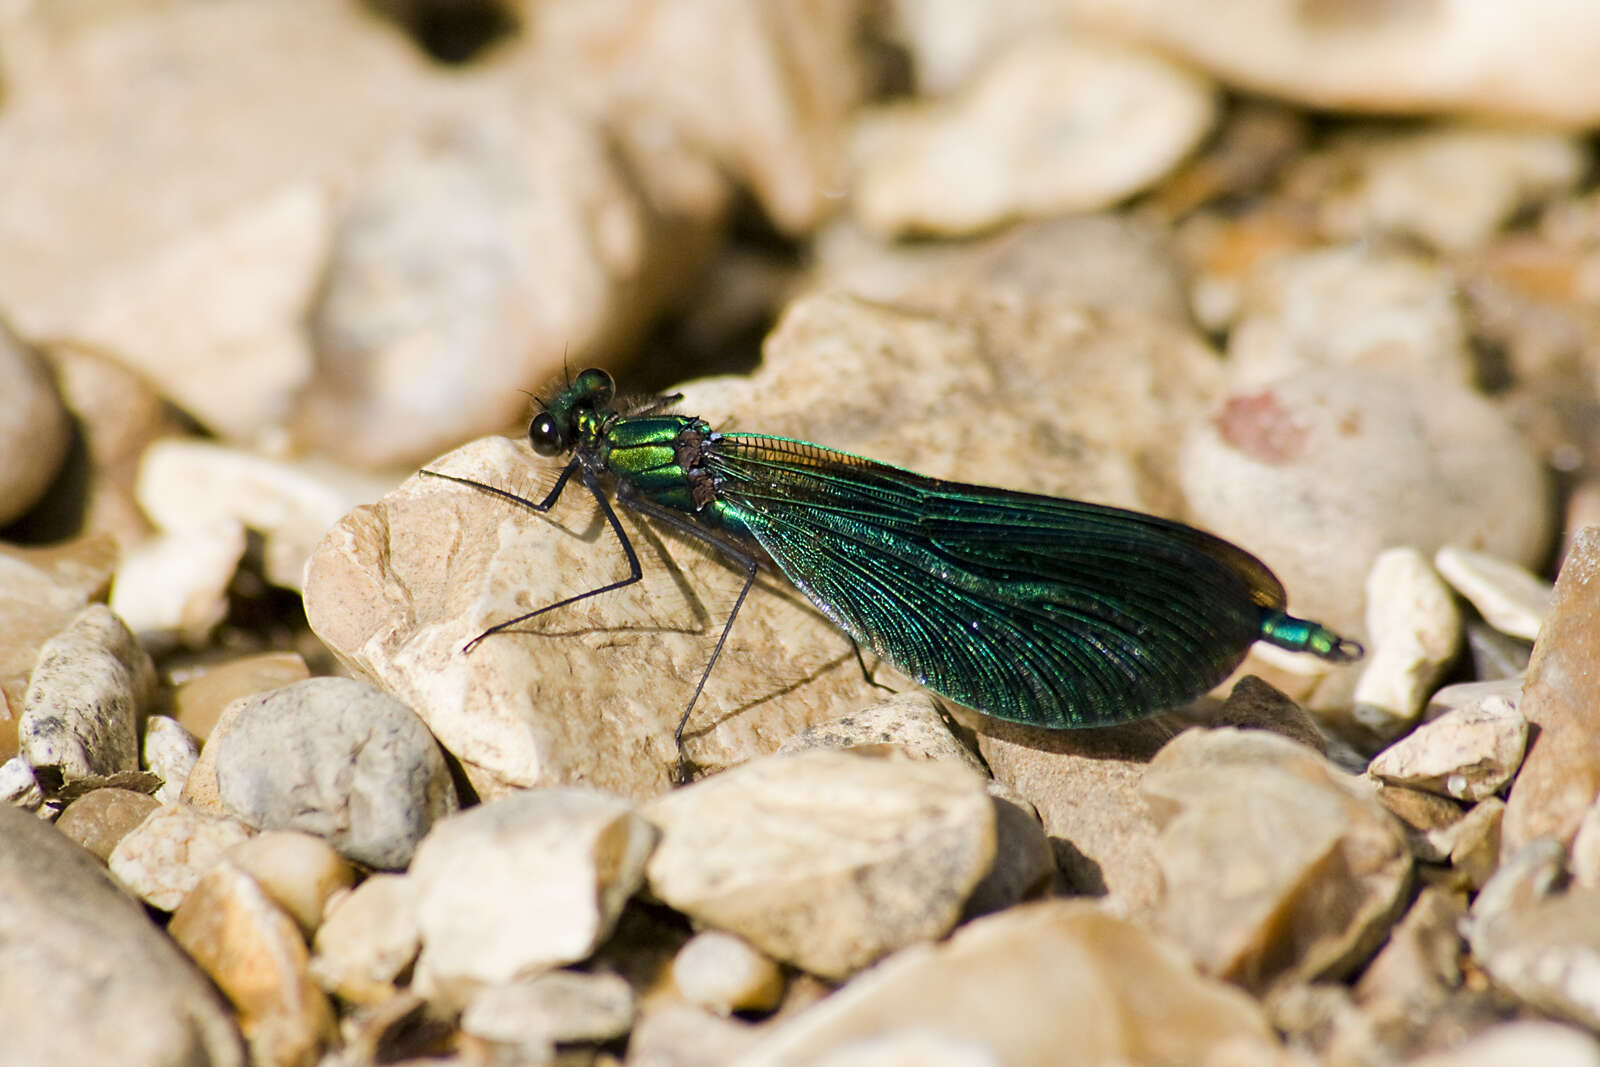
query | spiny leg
[871, 676]
[635, 571]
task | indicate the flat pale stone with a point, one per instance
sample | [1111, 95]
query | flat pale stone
[177, 583]
[522, 884]
[1414, 630]
[368, 938]
[1056, 123]
[1028, 983]
[826, 860]
[188, 486]
[561, 1007]
[1510, 598]
[1527, 1041]
[1468, 753]
[1528, 63]
[255, 954]
[164, 857]
[1546, 953]
[1560, 777]
[80, 714]
[1255, 827]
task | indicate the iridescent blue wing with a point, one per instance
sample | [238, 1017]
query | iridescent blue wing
[1034, 609]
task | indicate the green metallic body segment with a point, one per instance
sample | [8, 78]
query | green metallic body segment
[1034, 609]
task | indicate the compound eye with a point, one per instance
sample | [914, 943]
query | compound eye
[595, 386]
[544, 433]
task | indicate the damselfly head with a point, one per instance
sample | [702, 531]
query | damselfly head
[553, 431]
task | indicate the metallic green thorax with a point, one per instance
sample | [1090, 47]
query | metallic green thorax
[1035, 609]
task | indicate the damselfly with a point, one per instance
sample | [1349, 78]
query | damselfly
[1034, 609]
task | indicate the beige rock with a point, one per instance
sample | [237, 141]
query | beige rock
[677, 1035]
[1344, 306]
[88, 977]
[523, 884]
[170, 752]
[1586, 849]
[724, 974]
[825, 860]
[561, 1007]
[1414, 632]
[336, 758]
[163, 858]
[1560, 777]
[370, 936]
[912, 724]
[1475, 842]
[1528, 1041]
[176, 584]
[1427, 819]
[1469, 753]
[766, 89]
[1055, 123]
[1085, 786]
[101, 818]
[1547, 954]
[1275, 470]
[80, 715]
[1450, 185]
[198, 701]
[253, 951]
[949, 42]
[299, 872]
[1529, 63]
[41, 589]
[1254, 828]
[1030, 983]
[34, 428]
[188, 486]
[1510, 598]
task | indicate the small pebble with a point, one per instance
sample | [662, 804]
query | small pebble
[558, 1008]
[368, 939]
[1056, 124]
[1475, 842]
[299, 872]
[1510, 598]
[1467, 753]
[1248, 823]
[18, 785]
[164, 857]
[336, 758]
[101, 818]
[175, 585]
[80, 716]
[1414, 629]
[525, 882]
[255, 954]
[169, 751]
[724, 974]
[823, 859]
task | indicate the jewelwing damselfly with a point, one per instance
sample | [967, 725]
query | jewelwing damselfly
[1034, 609]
